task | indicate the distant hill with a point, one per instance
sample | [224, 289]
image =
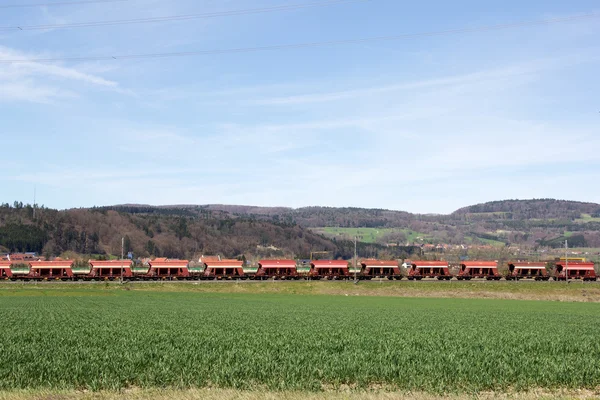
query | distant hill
[236, 231]
[537, 222]
[534, 209]
[175, 232]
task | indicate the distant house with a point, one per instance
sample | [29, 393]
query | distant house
[20, 257]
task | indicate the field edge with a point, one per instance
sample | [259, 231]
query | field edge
[540, 291]
[232, 394]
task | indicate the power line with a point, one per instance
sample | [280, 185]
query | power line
[309, 44]
[180, 17]
[62, 3]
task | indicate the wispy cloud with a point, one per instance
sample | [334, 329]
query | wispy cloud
[522, 70]
[44, 83]
[30, 91]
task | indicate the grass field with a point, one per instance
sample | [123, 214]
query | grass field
[491, 242]
[368, 235]
[587, 218]
[180, 337]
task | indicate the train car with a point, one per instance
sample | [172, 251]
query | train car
[50, 270]
[429, 269]
[109, 270]
[224, 270]
[329, 269]
[167, 270]
[380, 269]
[527, 270]
[276, 269]
[575, 270]
[478, 270]
[5, 271]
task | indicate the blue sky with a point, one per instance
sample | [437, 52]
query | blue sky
[424, 124]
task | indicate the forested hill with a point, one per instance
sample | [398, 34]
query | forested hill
[536, 209]
[311, 217]
[190, 230]
[176, 232]
[538, 222]
[519, 210]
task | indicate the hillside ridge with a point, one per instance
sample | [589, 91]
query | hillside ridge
[239, 231]
[506, 205]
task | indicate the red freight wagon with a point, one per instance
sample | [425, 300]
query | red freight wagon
[478, 269]
[168, 269]
[575, 270]
[329, 269]
[429, 269]
[527, 270]
[224, 269]
[380, 269]
[5, 271]
[51, 270]
[276, 269]
[109, 270]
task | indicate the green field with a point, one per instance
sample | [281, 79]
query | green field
[104, 337]
[369, 235]
[491, 242]
[587, 218]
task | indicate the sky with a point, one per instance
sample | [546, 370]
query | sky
[425, 123]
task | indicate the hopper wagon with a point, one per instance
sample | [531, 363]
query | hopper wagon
[50, 270]
[329, 269]
[5, 271]
[224, 270]
[574, 270]
[167, 270]
[380, 269]
[429, 269]
[276, 269]
[109, 270]
[527, 270]
[478, 270]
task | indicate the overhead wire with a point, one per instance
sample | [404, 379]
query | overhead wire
[486, 28]
[60, 3]
[289, 7]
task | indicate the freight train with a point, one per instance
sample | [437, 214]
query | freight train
[168, 270]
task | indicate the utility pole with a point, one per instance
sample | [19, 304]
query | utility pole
[566, 261]
[355, 259]
[122, 248]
